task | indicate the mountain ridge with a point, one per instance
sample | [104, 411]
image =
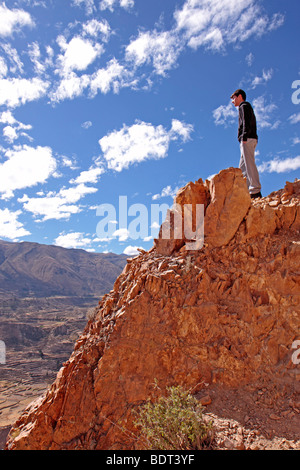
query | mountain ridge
[46, 295]
[38, 270]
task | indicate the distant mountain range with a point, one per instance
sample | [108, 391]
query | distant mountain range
[34, 270]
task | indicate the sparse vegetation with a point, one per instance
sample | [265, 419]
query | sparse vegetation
[174, 422]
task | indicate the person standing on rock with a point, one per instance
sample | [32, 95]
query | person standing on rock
[247, 136]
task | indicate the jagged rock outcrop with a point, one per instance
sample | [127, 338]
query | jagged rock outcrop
[226, 202]
[227, 313]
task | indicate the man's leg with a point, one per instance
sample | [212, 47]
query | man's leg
[248, 165]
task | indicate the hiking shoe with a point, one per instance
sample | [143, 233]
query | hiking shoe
[256, 195]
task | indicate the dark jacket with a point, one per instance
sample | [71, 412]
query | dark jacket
[247, 122]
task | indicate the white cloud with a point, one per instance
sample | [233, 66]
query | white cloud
[134, 144]
[107, 4]
[60, 205]
[74, 194]
[13, 57]
[132, 250]
[209, 23]
[68, 162]
[10, 227]
[70, 87]
[215, 24]
[264, 113]
[34, 3]
[280, 166]
[7, 118]
[35, 56]
[12, 20]
[95, 28]
[294, 118]
[110, 4]
[113, 76]
[160, 48]
[266, 76]
[78, 54]
[17, 91]
[127, 4]
[122, 233]
[88, 176]
[3, 68]
[25, 167]
[49, 207]
[166, 192]
[225, 114]
[88, 4]
[250, 59]
[181, 129]
[14, 129]
[72, 240]
[86, 124]
[140, 142]
[10, 134]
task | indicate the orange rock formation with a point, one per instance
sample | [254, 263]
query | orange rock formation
[227, 313]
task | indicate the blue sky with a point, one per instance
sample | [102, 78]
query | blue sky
[102, 99]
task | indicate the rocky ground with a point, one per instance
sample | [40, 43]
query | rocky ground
[254, 417]
[247, 419]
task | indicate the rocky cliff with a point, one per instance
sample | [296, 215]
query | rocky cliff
[224, 315]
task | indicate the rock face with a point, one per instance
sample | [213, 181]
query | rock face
[225, 314]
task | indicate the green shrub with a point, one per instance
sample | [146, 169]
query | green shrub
[174, 422]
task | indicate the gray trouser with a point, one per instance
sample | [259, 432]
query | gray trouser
[248, 165]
